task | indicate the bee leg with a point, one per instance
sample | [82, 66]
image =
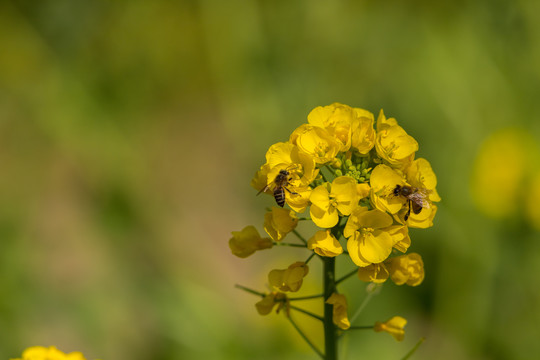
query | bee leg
[290, 192]
[408, 211]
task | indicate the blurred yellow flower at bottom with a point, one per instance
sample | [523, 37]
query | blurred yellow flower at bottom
[394, 327]
[50, 353]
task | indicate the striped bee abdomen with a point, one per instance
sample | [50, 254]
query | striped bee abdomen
[279, 195]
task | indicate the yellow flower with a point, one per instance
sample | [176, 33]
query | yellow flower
[363, 190]
[316, 142]
[289, 279]
[422, 220]
[394, 327]
[363, 134]
[265, 306]
[420, 175]
[246, 242]
[383, 181]
[400, 234]
[343, 197]
[340, 311]
[393, 144]
[532, 205]
[325, 244]
[369, 242]
[406, 269]
[499, 171]
[376, 273]
[279, 222]
[301, 168]
[50, 353]
[286, 156]
[337, 119]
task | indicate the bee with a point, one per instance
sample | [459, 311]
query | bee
[417, 198]
[281, 181]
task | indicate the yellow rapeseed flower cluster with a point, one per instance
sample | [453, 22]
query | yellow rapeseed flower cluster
[50, 353]
[360, 182]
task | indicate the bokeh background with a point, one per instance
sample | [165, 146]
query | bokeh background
[130, 130]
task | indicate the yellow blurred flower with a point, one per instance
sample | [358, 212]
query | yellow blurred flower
[394, 327]
[393, 144]
[406, 269]
[279, 222]
[499, 172]
[368, 241]
[376, 273]
[246, 242]
[316, 142]
[532, 201]
[340, 310]
[325, 244]
[265, 306]
[289, 279]
[343, 197]
[50, 353]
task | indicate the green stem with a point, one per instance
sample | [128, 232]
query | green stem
[306, 312]
[309, 258]
[331, 170]
[277, 243]
[306, 297]
[324, 177]
[251, 291]
[330, 333]
[300, 236]
[305, 338]
[345, 277]
[413, 350]
[367, 327]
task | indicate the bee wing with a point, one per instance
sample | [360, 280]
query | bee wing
[420, 198]
[263, 189]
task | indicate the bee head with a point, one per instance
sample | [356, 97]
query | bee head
[283, 172]
[397, 190]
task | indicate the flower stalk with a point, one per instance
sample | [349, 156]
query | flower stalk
[358, 181]
[330, 331]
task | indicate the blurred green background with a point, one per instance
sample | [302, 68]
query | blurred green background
[130, 130]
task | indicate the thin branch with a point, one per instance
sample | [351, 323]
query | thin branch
[345, 277]
[315, 316]
[306, 338]
[331, 170]
[324, 177]
[362, 306]
[300, 236]
[367, 327]
[251, 291]
[277, 243]
[309, 258]
[413, 350]
[307, 297]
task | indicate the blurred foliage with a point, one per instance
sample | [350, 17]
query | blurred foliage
[129, 132]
